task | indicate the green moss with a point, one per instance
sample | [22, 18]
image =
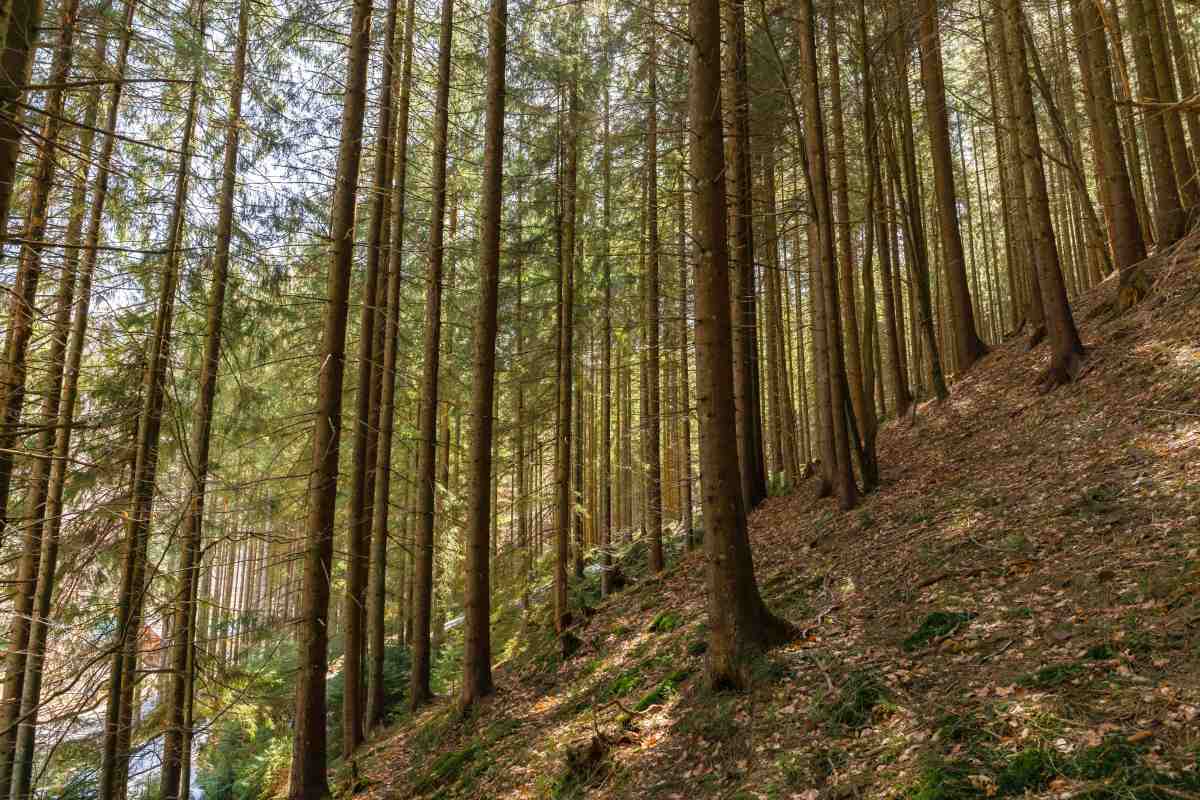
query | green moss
[665, 622]
[697, 647]
[960, 729]
[942, 780]
[447, 768]
[1051, 676]
[935, 626]
[663, 690]
[1100, 652]
[852, 706]
[1031, 768]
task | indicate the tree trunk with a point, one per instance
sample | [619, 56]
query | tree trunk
[380, 508]
[969, 347]
[420, 691]
[182, 676]
[308, 780]
[566, 332]
[651, 389]
[19, 24]
[915, 234]
[1067, 351]
[745, 345]
[21, 324]
[840, 470]
[739, 622]
[864, 411]
[606, 476]
[123, 677]
[685, 406]
[1169, 215]
[477, 648]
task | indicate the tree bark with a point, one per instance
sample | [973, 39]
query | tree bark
[653, 399]
[420, 691]
[182, 662]
[739, 622]
[1067, 350]
[308, 779]
[745, 345]
[477, 648]
[969, 347]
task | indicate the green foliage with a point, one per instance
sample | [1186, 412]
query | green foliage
[852, 706]
[965, 729]
[1051, 676]
[663, 690]
[1030, 769]
[942, 780]
[665, 622]
[935, 626]
[252, 742]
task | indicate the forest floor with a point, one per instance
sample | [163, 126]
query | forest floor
[1015, 612]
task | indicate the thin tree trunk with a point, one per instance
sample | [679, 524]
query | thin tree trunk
[566, 332]
[19, 24]
[968, 346]
[182, 676]
[123, 677]
[381, 506]
[745, 346]
[21, 324]
[420, 691]
[308, 779]
[651, 389]
[477, 648]
[1067, 351]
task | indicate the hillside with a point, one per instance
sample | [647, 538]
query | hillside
[1013, 613]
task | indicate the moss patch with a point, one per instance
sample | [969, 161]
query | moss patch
[935, 626]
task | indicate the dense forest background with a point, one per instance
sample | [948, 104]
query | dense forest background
[350, 344]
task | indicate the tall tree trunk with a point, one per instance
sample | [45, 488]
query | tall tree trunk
[1160, 51]
[308, 779]
[739, 622]
[745, 345]
[685, 408]
[477, 647]
[182, 663]
[863, 409]
[1169, 215]
[420, 691]
[21, 324]
[366, 412]
[840, 471]
[1116, 192]
[969, 347]
[1067, 350]
[915, 234]
[20, 21]
[123, 674]
[381, 506]
[566, 333]
[651, 389]
[606, 476]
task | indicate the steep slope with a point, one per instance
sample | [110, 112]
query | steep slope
[1014, 611]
